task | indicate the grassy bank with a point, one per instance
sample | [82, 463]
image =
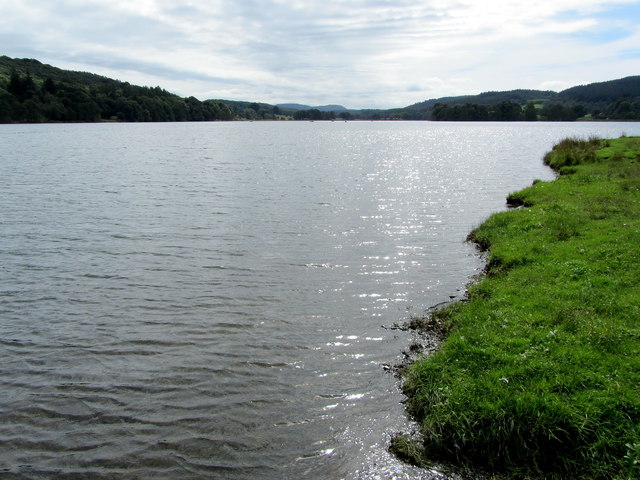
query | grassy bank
[539, 376]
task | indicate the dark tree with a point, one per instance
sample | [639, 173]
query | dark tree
[530, 113]
[507, 111]
[49, 86]
[22, 87]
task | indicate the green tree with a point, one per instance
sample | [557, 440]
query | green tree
[439, 112]
[559, 113]
[194, 109]
[22, 87]
[6, 107]
[31, 112]
[624, 109]
[49, 86]
[530, 113]
[579, 111]
[506, 111]
[53, 109]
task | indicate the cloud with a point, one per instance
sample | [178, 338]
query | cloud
[362, 53]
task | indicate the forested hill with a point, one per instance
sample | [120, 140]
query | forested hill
[488, 98]
[31, 91]
[611, 100]
[628, 87]
[34, 92]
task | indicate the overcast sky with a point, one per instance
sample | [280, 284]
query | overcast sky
[358, 53]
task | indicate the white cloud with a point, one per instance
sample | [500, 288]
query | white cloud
[357, 52]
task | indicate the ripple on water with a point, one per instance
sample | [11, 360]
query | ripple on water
[207, 300]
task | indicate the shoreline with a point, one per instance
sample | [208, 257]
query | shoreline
[538, 376]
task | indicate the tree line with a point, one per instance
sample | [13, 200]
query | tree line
[509, 111]
[34, 92]
[610, 100]
[506, 111]
[25, 99]
[315, 114]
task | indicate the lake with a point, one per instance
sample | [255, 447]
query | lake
[213, 300]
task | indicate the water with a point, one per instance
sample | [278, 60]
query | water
[210, 300]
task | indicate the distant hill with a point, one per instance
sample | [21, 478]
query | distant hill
[322, 108]
[612, 90]
[31, 91]
[611, 100]
[40, 71]
[489, 98]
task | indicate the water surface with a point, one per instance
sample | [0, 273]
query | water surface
[210, 300]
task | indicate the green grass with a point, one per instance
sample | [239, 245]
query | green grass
[539, 376]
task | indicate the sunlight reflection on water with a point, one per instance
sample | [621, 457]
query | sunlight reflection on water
[209, 300]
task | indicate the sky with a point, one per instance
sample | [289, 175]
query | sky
[356, 53]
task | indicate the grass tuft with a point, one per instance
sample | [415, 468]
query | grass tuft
[573, 151]
[407, 449]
